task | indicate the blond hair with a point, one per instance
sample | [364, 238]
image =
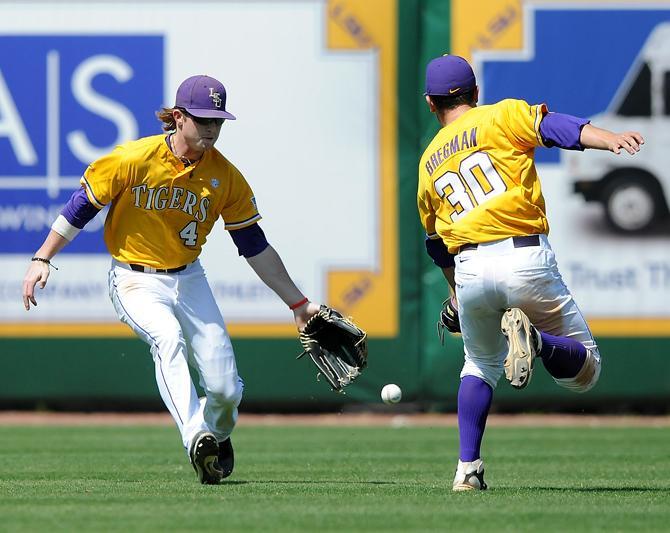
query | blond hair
[165, 116]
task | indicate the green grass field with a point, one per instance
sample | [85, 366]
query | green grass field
[335, 479]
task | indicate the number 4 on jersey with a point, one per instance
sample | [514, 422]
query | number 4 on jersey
[189, 233]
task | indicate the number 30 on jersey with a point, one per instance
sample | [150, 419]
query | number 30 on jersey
[476, 182]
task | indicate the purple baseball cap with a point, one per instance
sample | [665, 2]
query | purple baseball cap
[203, 97]
[449, 76]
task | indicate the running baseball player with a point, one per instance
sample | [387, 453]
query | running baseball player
[165, 193]
[481, 205]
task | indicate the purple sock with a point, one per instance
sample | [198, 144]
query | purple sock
[562, 357]
[474, 402]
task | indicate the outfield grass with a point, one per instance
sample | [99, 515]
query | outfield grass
[335, 479]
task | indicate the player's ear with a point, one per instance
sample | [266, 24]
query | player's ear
[178, 117]
[476, 93]
[430, 103]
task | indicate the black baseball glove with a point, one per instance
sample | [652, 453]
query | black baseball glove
[448, 319]
[336, 345]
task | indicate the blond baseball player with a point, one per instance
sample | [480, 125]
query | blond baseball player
[481, 204]
[165, 193]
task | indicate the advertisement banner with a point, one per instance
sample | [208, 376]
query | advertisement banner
[311, 84]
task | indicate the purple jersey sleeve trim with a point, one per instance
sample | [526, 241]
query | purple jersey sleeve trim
[438, 252]
[558, 129]
[78, 211]
[250, 241]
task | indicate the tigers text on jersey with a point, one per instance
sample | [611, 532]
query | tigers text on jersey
[161, 211]
[477, 178]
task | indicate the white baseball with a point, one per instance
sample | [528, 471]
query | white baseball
[391, 393]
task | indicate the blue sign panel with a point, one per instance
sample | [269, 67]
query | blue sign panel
[579, 58]
[64, 102]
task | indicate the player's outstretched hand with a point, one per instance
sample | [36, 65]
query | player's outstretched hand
[38, 273]
[303, 313]
[628, 140]
[600, 139]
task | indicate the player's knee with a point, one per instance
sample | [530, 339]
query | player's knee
[168, 345]
[225, 389]
[587, 377]
[487, 372]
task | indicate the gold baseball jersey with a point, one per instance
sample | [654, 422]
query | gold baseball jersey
[477, 178]
[161, 210]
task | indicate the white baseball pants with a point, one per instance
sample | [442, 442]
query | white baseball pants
[496, 276]
[176, 314]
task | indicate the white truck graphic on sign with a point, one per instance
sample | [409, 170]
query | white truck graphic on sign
[635, 192]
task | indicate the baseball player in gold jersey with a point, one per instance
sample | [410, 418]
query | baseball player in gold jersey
[165, 193]
[481, 204]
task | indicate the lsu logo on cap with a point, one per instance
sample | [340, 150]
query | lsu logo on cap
[216, 97]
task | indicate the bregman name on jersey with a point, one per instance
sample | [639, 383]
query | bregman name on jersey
[468, 139]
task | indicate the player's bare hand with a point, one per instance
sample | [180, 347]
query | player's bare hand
[631, 141]
[37, 275]
[303, 313]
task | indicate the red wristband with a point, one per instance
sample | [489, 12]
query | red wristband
[298, 304]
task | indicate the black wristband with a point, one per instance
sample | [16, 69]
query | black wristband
[42, 260]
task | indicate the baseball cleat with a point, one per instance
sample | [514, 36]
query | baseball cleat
[469, 476]
[204, 458]
[226, 457]
[522, 341]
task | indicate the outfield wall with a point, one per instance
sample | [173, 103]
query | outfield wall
[356, 163]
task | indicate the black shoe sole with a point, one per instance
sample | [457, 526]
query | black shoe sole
[205, 461]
